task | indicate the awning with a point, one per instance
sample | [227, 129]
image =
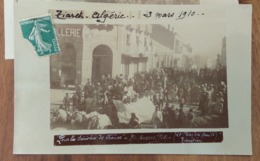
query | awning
[136, 55]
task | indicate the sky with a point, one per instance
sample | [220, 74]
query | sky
[205, 39]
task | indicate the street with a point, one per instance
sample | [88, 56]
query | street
[199, 121]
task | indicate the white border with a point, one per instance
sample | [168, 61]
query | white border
[9, 28]
[32, 134]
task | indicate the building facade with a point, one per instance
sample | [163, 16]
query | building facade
[89, 52]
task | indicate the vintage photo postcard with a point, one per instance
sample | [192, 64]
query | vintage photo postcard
[139, 76]
[9, 11]
[132, 81]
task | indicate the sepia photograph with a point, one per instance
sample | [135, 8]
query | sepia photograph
[143, 76]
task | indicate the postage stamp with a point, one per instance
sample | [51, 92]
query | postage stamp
[41, 34]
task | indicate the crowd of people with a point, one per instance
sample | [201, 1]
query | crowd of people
[168, 88]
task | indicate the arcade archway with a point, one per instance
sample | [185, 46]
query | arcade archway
[102, 61]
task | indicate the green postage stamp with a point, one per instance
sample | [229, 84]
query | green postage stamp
[41, 34]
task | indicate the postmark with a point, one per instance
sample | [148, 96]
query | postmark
[39, 31]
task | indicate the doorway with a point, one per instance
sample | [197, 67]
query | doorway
[102, 62]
